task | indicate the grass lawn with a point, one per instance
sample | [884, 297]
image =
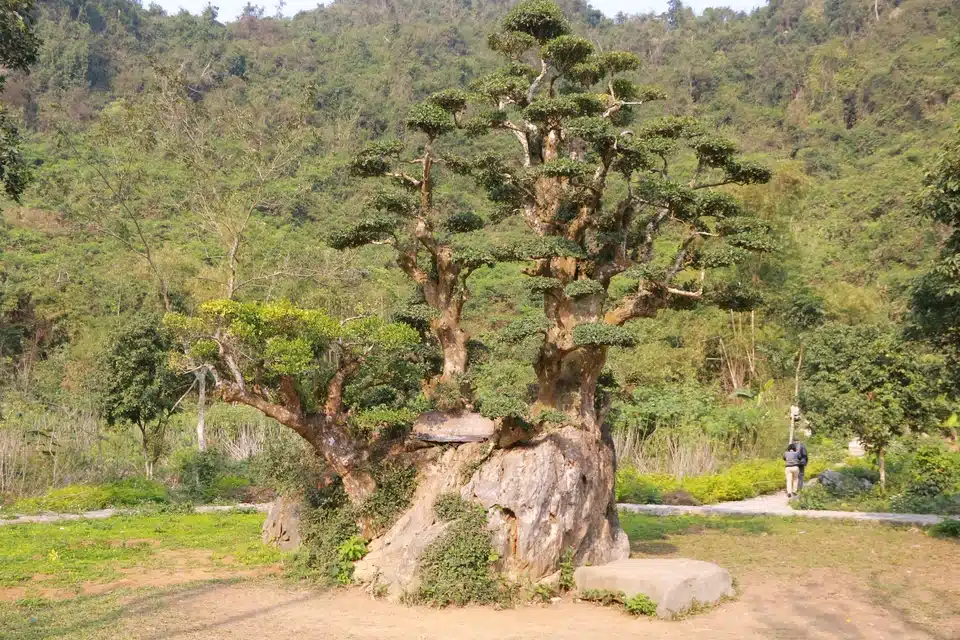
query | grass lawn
[122, 577]
[72, 553]
[899, 568]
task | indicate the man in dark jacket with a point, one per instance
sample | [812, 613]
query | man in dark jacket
[802, 454]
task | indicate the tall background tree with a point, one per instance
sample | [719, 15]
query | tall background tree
[19, 46]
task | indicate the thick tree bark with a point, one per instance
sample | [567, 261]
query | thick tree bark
[201, 375]
[327, 433]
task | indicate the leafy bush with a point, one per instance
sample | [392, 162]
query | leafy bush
[640, 605]
[395, 487]
[76, 498]
[815, 498]
[230, 487]
[934, 471]
[456, 568]
[328, 521]
[197, 472]
[349, 551]
[946, 529]
[741, 481]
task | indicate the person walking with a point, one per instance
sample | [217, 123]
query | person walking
[802, 454]
[792, 469]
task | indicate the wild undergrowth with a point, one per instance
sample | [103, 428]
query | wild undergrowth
[457, 568]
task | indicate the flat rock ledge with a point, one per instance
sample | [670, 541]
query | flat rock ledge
[675, 585]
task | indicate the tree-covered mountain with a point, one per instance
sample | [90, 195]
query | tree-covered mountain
[846, 105]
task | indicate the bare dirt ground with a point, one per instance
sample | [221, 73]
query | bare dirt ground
[822, 607]
[798, 580]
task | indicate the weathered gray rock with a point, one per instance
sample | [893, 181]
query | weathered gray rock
[436, 426]
[392, 559]
[841, 484]
[551, 494]
[282, 526]
[548, 495]
[675, 585]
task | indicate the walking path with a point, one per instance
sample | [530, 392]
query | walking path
[777, 505]
[107, 513]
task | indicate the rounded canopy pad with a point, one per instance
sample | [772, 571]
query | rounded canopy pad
[675, 585]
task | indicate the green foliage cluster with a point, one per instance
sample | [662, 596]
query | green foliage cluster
[134, 492]
[395, 487]
[866, 381]
[638, 605]
[456, 568]
[920, 479]
[739, 482]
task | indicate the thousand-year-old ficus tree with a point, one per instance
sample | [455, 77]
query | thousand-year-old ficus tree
[627, 215]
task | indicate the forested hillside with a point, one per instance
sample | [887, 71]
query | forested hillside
[127, 107]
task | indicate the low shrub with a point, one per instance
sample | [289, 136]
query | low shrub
[739, 482]
[79, 497]
[230, 487]
[456, 568]
[327, 522]
[946, 529]
[395, 487]
[815, 498]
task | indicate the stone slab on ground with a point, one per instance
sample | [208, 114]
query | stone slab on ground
[436, 426]
[675, 585]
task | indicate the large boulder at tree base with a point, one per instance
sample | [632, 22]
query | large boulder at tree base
[282, 526]
[542, 497]
[674, 585]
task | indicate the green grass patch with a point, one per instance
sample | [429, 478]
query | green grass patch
[70, 553]
[642, 527]
[81, 497]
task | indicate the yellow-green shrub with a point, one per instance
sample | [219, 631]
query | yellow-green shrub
[739, 482]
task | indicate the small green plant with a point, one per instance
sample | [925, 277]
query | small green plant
[946, 529]
[566, 581]
[349, 551]
[640, 605]
[603, 597]
[544, 592]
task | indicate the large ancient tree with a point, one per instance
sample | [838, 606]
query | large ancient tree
[406, 215]
[627, 209]
[626, 219]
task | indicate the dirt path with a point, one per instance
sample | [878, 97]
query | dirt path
[812, 609]
[776, 504]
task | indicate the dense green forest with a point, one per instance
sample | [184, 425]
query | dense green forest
[177, 159]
